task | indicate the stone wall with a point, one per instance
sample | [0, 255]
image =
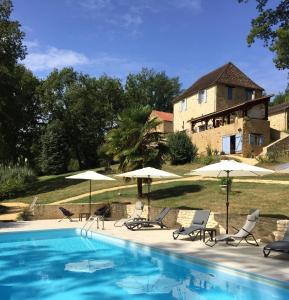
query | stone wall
[282, 226]
[281, 145]
[278, 121]
[255, 126]
[267, 229]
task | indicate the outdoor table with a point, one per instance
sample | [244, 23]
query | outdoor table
[211, 231]
[83, 215]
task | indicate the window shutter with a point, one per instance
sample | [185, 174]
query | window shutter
[251, 139]
[261, 140]
[205, 96]
[185, 103]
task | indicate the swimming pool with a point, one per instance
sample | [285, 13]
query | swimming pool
[60, 265]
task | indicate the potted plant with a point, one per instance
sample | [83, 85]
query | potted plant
[224, 182]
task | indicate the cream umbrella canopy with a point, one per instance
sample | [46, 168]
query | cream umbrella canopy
[148, 173]
[89, 175]
[230, 168]
[284, 168]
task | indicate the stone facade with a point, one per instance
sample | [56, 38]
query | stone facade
[166, 126]
[267, 229]
[244, 126]
[216, 100]
[279, 121]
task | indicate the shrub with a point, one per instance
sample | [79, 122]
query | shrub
[181, 148]
[13, 179]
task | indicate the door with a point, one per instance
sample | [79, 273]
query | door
[226, 144]
[238, 143]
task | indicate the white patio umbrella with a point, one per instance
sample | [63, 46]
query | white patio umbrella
[148, 173]
[230, 168]
[89, 175]
[284, 168]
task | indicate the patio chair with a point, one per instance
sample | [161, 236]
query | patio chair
[136, 215]
[242, 234]
[278, 246]
[66, 214]
[198, 223]
[142, 222]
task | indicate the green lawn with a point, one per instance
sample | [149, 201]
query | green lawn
[54, 188]
[269, 198]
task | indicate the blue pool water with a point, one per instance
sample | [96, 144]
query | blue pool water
[60, 265]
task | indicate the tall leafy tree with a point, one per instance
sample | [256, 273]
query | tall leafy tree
[272, 27]
[152, 88]
[18, 102]
[87, 106]
[135, 143]
[54, 151]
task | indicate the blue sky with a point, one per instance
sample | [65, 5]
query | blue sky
[185, 38]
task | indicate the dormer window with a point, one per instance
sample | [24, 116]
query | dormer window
[248, 94]
[202, 96]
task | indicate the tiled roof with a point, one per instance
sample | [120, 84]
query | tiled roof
[165, 116]
[278, 108]
[228, 74]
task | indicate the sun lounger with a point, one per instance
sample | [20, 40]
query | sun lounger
[243, 234]
[198, 223]
[278, 246]
[133, 217]
[138, 224]
[66, 214]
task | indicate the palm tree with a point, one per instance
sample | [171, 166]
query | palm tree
[135, 143]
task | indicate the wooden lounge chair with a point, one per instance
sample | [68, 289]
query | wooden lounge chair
[278, 246]
[136, 215]
[243, 234]
[198, 223]
[66, 214]
[142, 222]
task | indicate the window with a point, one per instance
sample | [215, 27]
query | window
[183, 105]
[256, 139]
[230, 93]
[202, 96]
[248, 94]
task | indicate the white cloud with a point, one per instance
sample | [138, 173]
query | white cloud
[31, 44]
[54, 58]
[132, 20]
[191, 4]
[95, 4]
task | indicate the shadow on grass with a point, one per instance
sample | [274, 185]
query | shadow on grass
[175, 191]
[47, 185]
[3, 209]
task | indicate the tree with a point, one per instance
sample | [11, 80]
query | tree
[19, 106]
[54, 155]
[11, 37]
[272, 27]
[151, 88]
[181, 148]
[281, 97]
[87, 106]
[135, 143]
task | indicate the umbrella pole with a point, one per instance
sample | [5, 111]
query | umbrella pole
[227, 204]
[89, 197]
[149, 201]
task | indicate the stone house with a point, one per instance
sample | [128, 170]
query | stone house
[166, 119]
[278, 116]
[226, 110]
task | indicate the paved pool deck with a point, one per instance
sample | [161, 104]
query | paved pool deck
[245, 258]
